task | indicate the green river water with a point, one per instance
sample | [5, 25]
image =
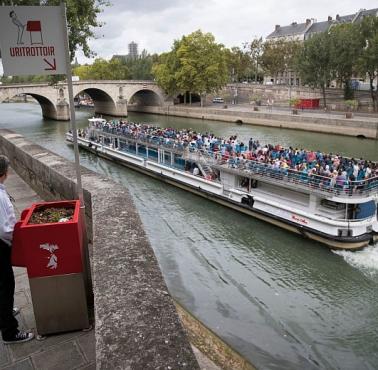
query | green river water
[282, 301]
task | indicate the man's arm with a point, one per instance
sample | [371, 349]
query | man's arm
[7, 219]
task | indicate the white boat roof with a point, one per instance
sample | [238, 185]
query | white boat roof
[99, 120]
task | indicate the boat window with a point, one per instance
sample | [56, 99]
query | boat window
[364, 210]
[244, 183]
[332, 205]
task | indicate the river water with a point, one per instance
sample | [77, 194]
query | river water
[281, 301]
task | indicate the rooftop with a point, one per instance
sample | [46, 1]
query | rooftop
[312, 26]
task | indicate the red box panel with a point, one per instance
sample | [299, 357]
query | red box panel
[33, 26]
[53, 248]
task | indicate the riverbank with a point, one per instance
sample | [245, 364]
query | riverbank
[255, 286]
[79, 347]
[357, 126]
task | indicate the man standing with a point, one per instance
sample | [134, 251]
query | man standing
[8, 323]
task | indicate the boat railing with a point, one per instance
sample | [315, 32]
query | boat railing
[315, 183]
[152, 141]
[250, 168]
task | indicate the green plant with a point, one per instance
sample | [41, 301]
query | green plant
[294, 102]
[351, 104]
[256, 98]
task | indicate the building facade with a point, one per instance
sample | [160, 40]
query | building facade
[133, 50]
[303, 31]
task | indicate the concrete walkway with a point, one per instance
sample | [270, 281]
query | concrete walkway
[69, 351]
[313, 113]
[74, 350]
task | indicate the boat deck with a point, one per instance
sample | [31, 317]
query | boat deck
[150, 147]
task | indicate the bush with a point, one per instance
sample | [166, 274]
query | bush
[294, 102]
[351, 104]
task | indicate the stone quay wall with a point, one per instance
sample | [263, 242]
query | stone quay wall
[136, 323]
[315, 123]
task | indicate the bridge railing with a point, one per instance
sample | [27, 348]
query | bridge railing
[80, 82]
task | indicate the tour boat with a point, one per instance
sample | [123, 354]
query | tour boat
[340, 217]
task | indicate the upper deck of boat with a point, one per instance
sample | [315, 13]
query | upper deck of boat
[346, 191]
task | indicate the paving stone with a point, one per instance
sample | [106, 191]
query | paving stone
[21, 365]
[62, 357]
[22, 283]
[88, 367]
[20, 299]
[87, 344]
[27, 318]
[23, 350]
[4, 357]
[20, 271]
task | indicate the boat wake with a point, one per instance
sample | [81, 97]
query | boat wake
[365, 260]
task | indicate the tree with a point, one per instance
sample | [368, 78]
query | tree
[239, 64]
[314, 62]
[196, 64]
[279, 56]
[165, 70]
[367, 62]
[81, 19]
[102, 69]
[140, 67]
[255, 49]
[203, 66]
[345, 46]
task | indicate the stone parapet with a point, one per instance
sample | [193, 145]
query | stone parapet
[136, 323]
[330, 124]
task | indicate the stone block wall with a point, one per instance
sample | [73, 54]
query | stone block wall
[136, 323]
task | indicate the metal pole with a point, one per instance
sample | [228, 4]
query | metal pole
[72, 108]
[79, 187]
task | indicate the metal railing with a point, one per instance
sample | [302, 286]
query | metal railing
[253, 169]
[315, 183]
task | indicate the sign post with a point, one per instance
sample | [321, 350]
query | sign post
[34, 41]
[72, 108]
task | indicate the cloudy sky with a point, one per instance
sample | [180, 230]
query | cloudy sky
[154, 24]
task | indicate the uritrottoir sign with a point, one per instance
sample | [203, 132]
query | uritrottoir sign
[32, 40]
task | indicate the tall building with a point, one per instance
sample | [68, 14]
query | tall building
[133, 50]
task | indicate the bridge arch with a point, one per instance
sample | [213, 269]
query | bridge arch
[103, 102]
[49, 109]
[146, 97]
[106, 98]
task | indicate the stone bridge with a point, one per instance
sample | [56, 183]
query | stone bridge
[109, 97]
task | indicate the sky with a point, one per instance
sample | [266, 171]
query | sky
[155, 24]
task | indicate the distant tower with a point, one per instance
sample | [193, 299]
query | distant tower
[133, 50]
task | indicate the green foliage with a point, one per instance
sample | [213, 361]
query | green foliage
[352, 104]
[345, 46]
[294, 102]
[196, 64]
[239, 64]
[164, 71]
[255, 49]
[102, 69]
[348, 91]
[367, 61]
[141, 67]
[279, 56]
[314, 62]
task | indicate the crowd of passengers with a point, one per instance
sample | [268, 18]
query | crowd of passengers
[339, 170]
